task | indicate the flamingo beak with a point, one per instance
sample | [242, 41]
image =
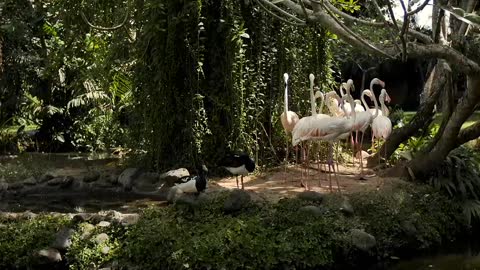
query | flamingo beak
[388, 99]
[382, 83]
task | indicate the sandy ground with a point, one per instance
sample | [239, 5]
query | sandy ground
[284, 181]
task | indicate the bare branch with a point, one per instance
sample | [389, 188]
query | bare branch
[470, 133]
[365, 43]
[268, 3]
[419, 8]
[402, 33]
[458, 60]
[469, 9]
[392, 35]
[424, 38]
[276, 16]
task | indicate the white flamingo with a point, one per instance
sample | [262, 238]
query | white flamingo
[381, 125]
[288, 118]
[326, 129]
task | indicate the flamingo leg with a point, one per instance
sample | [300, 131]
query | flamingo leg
[361, 157]
[353, 150]
[336, 155]
[286, 160]
[331, 167]
[236, 178]
[242, 181]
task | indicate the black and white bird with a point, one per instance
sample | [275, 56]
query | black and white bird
[238, 164]
[190, 184]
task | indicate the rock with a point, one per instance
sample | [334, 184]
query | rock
[186, 199]
[237, 200]
[80, 217]
[63, 239]
[103, 224]
[147, 182]
[14, 186]
[29, 215]
[86, 229]
[44, 178]
[313, 210]
[30, 181]
[409, 228]
[112, 215]
[129, 219]
[105, 250]
[171, 176]
[311, 196]
[49, 255]
[346, 208]
[63, 182]
[101, 238]
[127, 177]
[109, 178]
[3, 185]
[362, 240]
[91, 176]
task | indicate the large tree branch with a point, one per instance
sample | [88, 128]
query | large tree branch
[469, 9]
[332, 25]
[420, 36]
[458, 60]
[468, 134]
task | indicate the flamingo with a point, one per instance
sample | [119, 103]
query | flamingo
[381, 125]
[326, 129]
[288, 118]
[362, 122]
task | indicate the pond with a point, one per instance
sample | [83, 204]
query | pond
[458, 256]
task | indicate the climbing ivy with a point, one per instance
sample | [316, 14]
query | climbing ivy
[209, 80]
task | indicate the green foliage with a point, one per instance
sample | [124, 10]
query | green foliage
[23, 167]
[86, 252]
[408, 218]
[413, 216]
[415, 144]
[20, 239]
[459, 177]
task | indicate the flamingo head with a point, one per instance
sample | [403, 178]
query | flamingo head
[311, 77]
[285, 77]
[351, 85]
[387, 97]
[380, 82]
[318, 94]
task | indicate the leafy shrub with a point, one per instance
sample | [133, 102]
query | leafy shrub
[409, 218]
[20, 239]
[88, 253]
[459, 177]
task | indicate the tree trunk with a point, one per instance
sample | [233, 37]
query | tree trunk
[424, 163]
[422, 118]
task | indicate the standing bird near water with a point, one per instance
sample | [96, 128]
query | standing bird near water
[190, 184]
[238, 164]
[288, 118]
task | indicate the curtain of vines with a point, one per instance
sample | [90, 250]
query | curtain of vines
[210, 80]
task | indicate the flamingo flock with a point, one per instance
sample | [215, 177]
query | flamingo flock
[346, 115]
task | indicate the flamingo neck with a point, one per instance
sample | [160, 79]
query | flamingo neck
[376, 105]
[322, 103]
[313, 104]
[381, 98]
[286, 99]
[362, 97]
[342, 93]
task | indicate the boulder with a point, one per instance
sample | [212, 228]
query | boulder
[313, 210]
[62, 182]
[362, 240]
[101, 238]
[30, 181]
[44, 178]
[91, 176]
[311, 196]
[146, 182]
[236, 201]
[346, 207]
[63, 239]
[127, 178]
[14, 186]
[171, 176]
